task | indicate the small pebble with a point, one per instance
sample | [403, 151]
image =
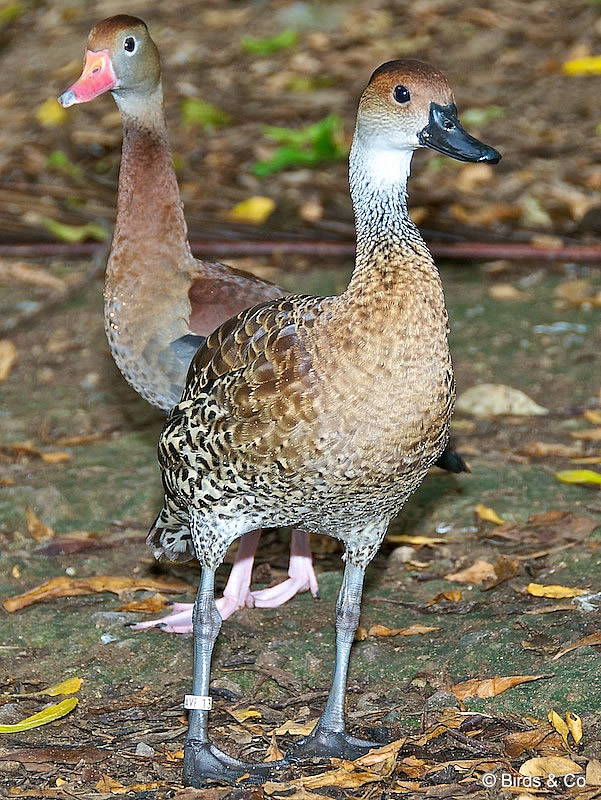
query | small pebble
[143, 749]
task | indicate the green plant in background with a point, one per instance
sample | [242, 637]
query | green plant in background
[61, 162]
[321, 141]
[475, 117]
[200, 114]
[271, 44]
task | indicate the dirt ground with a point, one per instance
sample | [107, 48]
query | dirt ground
[79, 483]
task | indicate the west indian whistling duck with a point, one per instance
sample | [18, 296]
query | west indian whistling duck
[320, 412]
[160, 302]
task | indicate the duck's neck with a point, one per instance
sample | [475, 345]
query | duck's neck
[391, 255]
[150, 228]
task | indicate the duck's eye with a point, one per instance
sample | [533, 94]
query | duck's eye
[401, 94]
[129, 45]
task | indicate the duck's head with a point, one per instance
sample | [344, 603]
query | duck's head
[120, 57]
[409, 104]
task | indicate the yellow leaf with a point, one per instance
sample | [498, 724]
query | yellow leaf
[69, 686]
[592, 415]
[8, 357]
[553, 590]
[549, 765]
[574, 726]
[559, 725]
[590, 65]
[416, 541]
[488, 514]
[42, 717]
[579, 476]
[490, 687]
[242, 714]
[50, 114]
[254, 209]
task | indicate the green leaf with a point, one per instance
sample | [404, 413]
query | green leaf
[43, 717]
[203, 115]
[74, 233]
[476, 117]
[60, 161]
[270, 44]
[321, 141]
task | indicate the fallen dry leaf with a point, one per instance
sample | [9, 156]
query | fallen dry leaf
[150, 605]
[505, 291]
[592, 415]
[273, 751]
[490, 687]
[25, 273]
[37, 529]
[453, 596]
[296, 728]
[242, 714]
[553, 590]
[590, 435]
[516, 743]
[551, 450]
[549, 765]
[587, 641]
[559, 725]
[412, 630]
[504, 568]
[479, 572]
[415, 541]
[56, 457]
[496, 399]
[85, 438]
[593, 773]
[8, 358]
[488, 514]
[64, 586]
[574, 725]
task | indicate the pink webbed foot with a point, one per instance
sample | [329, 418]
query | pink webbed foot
[236, 594]
[301, 578]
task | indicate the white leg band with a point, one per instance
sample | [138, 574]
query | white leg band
[198, 702]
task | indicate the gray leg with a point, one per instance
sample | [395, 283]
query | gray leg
[329, 737]
[203, 762]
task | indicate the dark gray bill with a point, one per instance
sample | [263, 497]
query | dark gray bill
[445, 134]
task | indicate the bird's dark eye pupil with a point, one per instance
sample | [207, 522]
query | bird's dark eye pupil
[129, 44]
[402, 94]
